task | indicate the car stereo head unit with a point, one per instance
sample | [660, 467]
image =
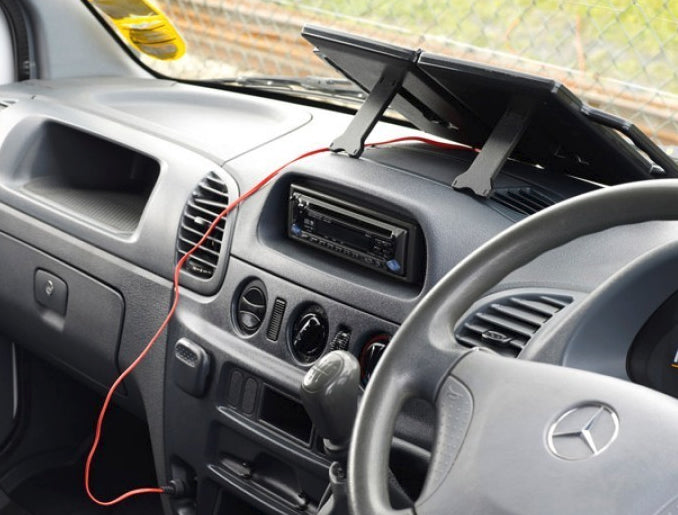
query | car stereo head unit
[365, 236]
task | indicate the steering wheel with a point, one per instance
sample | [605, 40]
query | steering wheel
[515, 436]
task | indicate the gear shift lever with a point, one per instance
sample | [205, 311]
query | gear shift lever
[330, 392]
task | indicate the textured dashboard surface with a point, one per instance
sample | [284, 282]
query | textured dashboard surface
[190, 131]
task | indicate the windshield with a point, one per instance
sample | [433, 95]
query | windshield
[619, 56]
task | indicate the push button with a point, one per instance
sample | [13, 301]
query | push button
[50, 291]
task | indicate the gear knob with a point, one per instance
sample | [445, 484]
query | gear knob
[330, 392]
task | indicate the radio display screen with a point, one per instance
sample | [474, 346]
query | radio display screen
[351, 237]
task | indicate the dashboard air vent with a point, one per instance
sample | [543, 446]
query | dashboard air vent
[506, 325]
[208, 199]
[526, 201]
[251, 307]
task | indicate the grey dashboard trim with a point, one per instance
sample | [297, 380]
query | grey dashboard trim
[598, 332]
[152, 244]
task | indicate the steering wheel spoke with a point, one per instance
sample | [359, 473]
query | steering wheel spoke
[425, 364]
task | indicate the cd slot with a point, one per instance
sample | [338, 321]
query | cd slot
[335, 214]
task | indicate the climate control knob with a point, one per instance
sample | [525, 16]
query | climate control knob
[309, 334]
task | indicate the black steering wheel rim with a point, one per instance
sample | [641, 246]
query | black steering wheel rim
[405, 371]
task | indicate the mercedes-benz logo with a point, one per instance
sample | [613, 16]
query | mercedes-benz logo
[583, 432]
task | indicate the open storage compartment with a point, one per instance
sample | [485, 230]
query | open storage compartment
[99, 181]
[285, 414]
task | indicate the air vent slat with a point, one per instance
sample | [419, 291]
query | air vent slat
[480, 334]
[201, 224]
[199, 253]
[534, 197]
[191, 244]
[547, 310]
[190, 238]
[506, 325]
[467, 340]
[207, 201]
[511, 205]
[213, 190]
[219, 183]
[526, 200]
[477, 328]
[187, 228]
[556, 301]
[214, 206]
[249, 306]
[202, 210]
[199, 259]
[519, 314]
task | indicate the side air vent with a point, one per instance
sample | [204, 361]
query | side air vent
[526, 201]
[251, 307]
[506, 325]
[208, 199]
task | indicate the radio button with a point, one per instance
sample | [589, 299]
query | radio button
[295, 229]
[393, 266]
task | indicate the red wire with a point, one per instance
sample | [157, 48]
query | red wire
[170, 314]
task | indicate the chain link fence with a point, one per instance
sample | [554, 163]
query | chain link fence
[618, 55]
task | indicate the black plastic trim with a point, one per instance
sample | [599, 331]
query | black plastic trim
[20, 28]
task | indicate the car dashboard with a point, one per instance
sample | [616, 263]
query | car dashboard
[104, 183]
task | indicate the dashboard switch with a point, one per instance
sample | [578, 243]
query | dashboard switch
[191, 367]
[275, 323]
[50, 291]
[341, 340]
[393, 265]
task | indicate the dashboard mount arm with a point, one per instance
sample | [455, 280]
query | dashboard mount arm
[352, 141]
[479, 178]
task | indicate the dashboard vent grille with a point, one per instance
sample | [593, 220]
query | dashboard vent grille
[251, 307]
[209, 198]
[526, 201]
[507, 325]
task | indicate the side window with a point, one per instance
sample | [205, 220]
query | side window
[7, 69]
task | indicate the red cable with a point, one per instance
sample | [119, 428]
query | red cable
[170, 314]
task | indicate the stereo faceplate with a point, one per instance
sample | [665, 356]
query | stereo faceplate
[353, 232]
